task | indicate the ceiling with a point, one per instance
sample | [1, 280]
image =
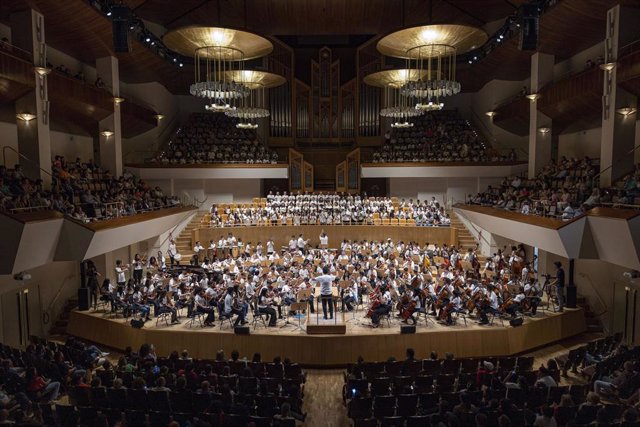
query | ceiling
[77, 29]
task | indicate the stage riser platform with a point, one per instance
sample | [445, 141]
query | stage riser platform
[332, 350]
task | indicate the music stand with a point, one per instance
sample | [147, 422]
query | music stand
[299, 307]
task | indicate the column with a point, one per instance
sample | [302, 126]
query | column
[540, 131]
[32, 110]
[619, 106]
[109, 129]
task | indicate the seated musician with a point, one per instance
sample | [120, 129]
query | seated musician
[140, 305]
[264, 306]
[107, 292]
[349, 297]
[231, 308]
[384, 308]
[492, 307]
[286, 294]
[167, 306]
[532, 293]
[415, 306]
[202, 306]
[455, 306]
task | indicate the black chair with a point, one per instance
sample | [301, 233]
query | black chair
[261, 421]
[159, 400]
[392, 422]
[138, 399]
[401, 383]
[451, 366]
[275, 370]
[407, 405]
[48, 416]
[418, 421]
[430, 366]
[248, 385]
[235, 420]
[384, 406]
[181, 401]
[159, 419]
[381, 386]
[87, 416]
[445, 383]
[80, 396]
[267, 405]
[365, 422]
[586, 414]
[135, 418]
[360, 408]
[66, 415]
[117, 398]
[356, 388]
[201, 402]
[428, 402]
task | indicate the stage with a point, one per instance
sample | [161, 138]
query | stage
[360, 338]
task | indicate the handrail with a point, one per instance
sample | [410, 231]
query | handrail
[174, 228]
[16, 51]
[616, 161]
[489, 135]
[55, 298]
[22, 156]
[595, 289]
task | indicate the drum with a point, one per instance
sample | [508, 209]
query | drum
[234, 252]
[177, 257]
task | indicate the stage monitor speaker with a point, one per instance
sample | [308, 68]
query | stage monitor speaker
[516, 322]
[83, 299]
[120, 28]
[408, 329]
[572, 296]
[138, 324]
[529, 27]
[241, 330]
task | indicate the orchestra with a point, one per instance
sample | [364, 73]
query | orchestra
[385, 278]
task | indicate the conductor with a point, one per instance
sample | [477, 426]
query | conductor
[325, 281]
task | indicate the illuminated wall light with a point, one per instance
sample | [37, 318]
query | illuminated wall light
[42, 71]
[626, 111]
[25, 117]
[106, 133]
[533, 97]
[608, 66]
[117, 100]
[159, 117]
[544, 130]
[491, 114]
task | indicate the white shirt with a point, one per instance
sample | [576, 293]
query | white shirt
[325, 282]
[324, 240]
[120, 275]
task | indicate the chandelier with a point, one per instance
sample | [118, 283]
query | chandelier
[399, 106]
[218, 53]
[430, 106]
[251, 108]
[430, 52]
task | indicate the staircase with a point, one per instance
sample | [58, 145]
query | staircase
[593, 323]
[465, 239]
[60, 325]
[184, 245]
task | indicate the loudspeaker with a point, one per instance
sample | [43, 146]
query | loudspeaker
[138, 324]
[120, 28]
[516, 322]
[241, 330]
[83, 299]
[572, 296]
[529, 27]
[407, 329]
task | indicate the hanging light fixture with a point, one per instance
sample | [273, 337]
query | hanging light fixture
[218, 53]
[253, 107]
[399, 107]
[431, 52]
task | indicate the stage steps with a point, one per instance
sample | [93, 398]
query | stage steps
[184, 245]
[60, 325]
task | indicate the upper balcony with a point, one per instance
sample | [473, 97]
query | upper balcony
[76, 106]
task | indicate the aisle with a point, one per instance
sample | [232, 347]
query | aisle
[323, 398]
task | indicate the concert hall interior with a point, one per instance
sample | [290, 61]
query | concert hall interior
[319, 212]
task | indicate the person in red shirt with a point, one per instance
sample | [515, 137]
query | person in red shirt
[45, 390]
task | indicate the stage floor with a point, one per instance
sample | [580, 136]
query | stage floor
[360, 339]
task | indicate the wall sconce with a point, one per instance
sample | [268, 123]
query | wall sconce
[159, 117]
[608, 66]
[533, 97]
[26, 117]
[117, 100]
[544, 130]
[626, 111]
[106, 133]
[42, 71]
[490, 114]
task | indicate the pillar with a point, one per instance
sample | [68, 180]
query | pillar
[34, 138]
[109, 137]
[618, 114]
[539, 140]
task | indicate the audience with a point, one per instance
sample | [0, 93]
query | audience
[80, 190]
[329, 208]
[214, 138]
[439, 136]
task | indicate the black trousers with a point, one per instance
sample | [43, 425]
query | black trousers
[211, 317]
[272, 314]
[327, 300]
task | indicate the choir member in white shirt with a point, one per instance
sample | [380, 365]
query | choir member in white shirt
[324, 240]
[198, 251]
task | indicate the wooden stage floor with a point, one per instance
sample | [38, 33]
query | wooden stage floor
[360, 339]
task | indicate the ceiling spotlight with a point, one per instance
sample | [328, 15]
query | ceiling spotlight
[470, 62]
[501, 36]
[147, 39]
[475, 58]
[106, 133]
[181, 65]
[533, 97]
[26, 117]
[109, 13]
